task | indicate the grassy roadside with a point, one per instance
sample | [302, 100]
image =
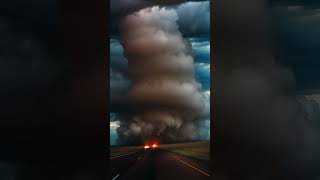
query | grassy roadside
[199, 150]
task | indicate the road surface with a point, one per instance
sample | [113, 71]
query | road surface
[157, 164]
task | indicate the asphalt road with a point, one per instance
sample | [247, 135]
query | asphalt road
[157, 164]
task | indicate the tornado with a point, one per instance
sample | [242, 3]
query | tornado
[165, 96]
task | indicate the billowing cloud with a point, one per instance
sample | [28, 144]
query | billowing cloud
[203, 74]
[165, 94]
[201, 49]
[193, 16]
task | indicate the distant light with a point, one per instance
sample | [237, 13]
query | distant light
[154, 146]
[146, 147]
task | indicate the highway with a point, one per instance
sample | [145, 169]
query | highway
[157, 164]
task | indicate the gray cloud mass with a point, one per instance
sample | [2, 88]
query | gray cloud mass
[167, 99]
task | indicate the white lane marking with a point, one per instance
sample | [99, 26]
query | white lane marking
[202, 172]
[123, 155]
[114, 178]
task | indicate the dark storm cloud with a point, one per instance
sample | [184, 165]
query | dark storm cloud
[119, 82]
[119, 65]
[194, 19]
[297, 29]
[201, 49]
[118, 62]
[122, 7]
[203, 74]
[194, 16]
[203, 129]
[119, 87]
[201, 53]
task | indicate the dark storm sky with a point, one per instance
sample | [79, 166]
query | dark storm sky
[297, 45]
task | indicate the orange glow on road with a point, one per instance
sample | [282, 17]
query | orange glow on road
[154, 146]
[151, 144]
